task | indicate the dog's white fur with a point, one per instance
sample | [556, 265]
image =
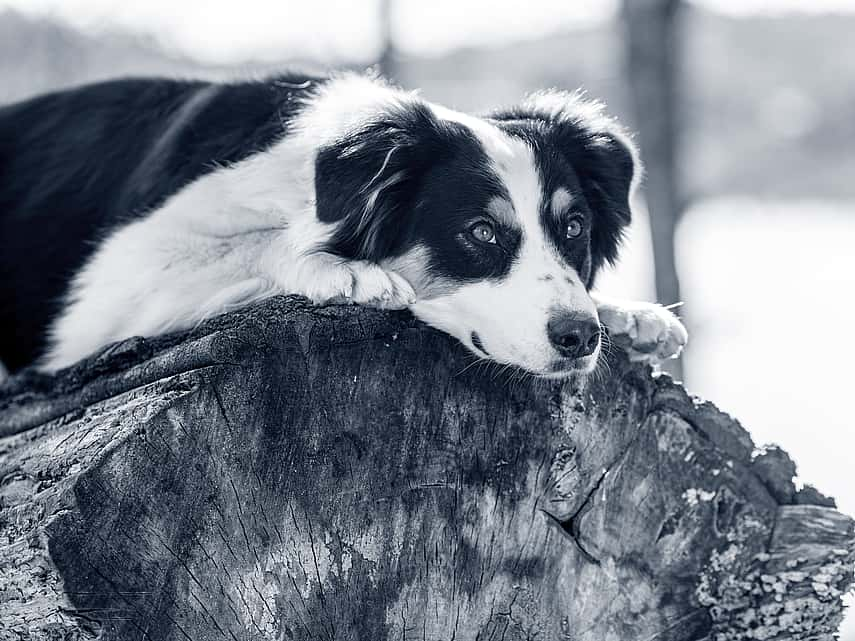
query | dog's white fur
[248, 231]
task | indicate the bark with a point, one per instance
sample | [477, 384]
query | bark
[293, 473]
[652, 53]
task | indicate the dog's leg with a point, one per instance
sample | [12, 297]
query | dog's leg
[326, 278]
[650, 332]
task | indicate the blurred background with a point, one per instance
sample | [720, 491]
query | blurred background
[745, 112]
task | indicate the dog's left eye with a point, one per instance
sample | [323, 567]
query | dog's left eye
[575, 227]
[483, 232]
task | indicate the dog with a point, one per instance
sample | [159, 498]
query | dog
[142, 206]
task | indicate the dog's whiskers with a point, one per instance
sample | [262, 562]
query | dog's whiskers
[479, 360]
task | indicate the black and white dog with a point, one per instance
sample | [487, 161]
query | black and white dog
[139, 206]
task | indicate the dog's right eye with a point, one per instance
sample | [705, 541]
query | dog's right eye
[483, 232]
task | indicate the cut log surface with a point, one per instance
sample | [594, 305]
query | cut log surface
[287, 472]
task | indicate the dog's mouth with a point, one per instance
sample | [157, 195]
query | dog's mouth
[559, 368]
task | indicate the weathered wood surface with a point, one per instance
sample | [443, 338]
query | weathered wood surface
[288, 472]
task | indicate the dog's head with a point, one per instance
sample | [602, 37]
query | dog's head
[499, 223]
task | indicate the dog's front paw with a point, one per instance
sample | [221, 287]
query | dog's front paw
[649, 332]
[376, 287]
[330, 279]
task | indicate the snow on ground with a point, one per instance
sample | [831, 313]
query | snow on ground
[770, 303]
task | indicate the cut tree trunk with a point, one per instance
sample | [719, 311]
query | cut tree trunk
[287, 472]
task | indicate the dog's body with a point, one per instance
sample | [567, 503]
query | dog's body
[135, 207]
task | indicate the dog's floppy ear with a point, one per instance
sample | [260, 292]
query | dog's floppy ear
[600, 152]
[366, 180]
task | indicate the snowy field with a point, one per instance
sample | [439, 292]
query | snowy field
[770, 301]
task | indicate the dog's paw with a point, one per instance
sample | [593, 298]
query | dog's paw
[376, 287]
[649, 332]
[324, 279]
[330, 279]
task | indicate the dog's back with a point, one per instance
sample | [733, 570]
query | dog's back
[76, 163]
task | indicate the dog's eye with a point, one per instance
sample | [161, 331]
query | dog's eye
[574, 227]
[483, 232]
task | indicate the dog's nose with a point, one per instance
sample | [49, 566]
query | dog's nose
[572, 336]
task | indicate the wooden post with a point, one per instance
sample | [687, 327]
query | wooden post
[388, 58]
[652, 58]
[292, 473]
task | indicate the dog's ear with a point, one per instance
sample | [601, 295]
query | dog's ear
[366, 181]
[600, 152]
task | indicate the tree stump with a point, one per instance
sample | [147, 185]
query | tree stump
[287, 472]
